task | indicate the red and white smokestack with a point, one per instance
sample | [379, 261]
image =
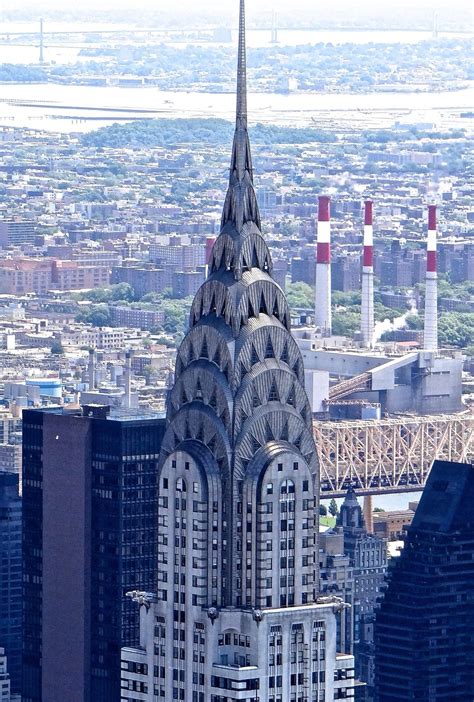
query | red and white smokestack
[322, 317]
[367, 306]
[430, 341]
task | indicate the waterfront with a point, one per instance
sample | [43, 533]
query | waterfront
[45, 106]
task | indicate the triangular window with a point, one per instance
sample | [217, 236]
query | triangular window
[284, 353]
[255, 263]
[273, 395]
[255, 399]
[198, 391]
[269, 352]
[291, 400]
[276, 309]
[213, 401]
[269, 433]
[251, 309]
[184, 397]
[204, 351]
[254, 358]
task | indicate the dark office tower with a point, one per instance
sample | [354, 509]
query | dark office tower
[238, 488]
[10, 575]
[424, 631]
[89, 536]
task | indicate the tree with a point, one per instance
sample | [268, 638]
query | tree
[300, 295]
[57, 347]
[345, 323]
[323, 510]
[123, 291]
[333, 508]
[456, 329]
[97, 315]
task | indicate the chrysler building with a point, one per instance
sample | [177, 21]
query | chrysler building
[237, 614]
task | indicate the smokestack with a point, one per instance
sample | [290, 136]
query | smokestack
[323, 268]
[128, 380]
[367, 308]
[430, 338]
[91, 370]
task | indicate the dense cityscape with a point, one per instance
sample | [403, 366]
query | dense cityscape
[236, 429]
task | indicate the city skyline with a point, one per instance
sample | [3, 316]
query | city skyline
[223, 382]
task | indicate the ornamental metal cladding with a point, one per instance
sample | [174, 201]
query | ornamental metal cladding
[238, 491]
[238, 405]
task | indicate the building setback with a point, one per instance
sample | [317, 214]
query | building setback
[424, 631]
[89, 535]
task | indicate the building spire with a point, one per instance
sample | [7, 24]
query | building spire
[242, 70]
[241, 204]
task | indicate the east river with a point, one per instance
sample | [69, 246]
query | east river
[68, 108]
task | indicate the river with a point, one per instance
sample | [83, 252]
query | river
[69, 108]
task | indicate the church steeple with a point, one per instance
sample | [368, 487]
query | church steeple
[241, 204]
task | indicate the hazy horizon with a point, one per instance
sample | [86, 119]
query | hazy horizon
[258, 11]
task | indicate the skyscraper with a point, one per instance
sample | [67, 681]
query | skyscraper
[10, 575]
[4, 678]
[424, 631]
[236, 615]
[89, 534]
[368, 559]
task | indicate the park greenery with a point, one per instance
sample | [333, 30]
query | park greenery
[456, 329]
[153, 133]
[213, 131]
[98, 313]
[316, 67]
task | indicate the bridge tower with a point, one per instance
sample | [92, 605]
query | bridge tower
[274, 37]
[41, 43]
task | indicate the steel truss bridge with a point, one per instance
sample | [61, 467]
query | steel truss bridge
[389, 455]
